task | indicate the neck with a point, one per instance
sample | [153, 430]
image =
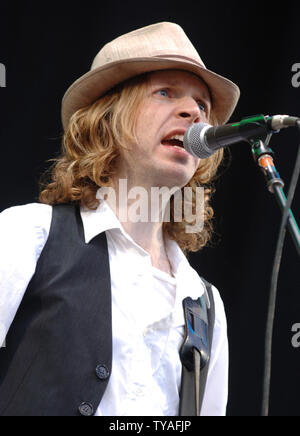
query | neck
[141, 213]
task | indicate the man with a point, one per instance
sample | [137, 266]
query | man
[91, 294]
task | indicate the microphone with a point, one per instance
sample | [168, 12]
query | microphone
[203, 140]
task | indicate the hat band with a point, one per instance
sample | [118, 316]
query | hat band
[181, 58]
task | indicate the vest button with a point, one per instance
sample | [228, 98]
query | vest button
[86, 409]
[102, 372]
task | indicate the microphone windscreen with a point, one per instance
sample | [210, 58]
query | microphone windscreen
[194, 141]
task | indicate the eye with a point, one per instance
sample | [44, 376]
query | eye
[164, 92]
[202, 106]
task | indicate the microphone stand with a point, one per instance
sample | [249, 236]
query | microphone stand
[263, 156]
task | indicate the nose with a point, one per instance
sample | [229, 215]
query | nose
[189, 108]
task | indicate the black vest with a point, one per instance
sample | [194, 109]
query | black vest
[58, 351]
[58, 354]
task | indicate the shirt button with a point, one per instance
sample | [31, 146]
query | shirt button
[102, 372]
[86, 409]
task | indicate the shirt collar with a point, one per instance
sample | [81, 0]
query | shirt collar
[103, 219]
[99, 220]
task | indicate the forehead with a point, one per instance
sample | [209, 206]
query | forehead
[180, 78]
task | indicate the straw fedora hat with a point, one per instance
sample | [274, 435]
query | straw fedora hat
[161, 46]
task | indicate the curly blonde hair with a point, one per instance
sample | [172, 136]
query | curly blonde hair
[90, 150]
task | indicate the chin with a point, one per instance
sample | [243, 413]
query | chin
[175, 178]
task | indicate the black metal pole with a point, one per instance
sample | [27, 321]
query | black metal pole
[263, 156]
[291, 221]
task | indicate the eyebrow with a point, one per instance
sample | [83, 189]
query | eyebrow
[203, 94]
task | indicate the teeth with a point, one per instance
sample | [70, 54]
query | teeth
[178, 137]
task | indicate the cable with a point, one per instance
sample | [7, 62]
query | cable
[273, 287]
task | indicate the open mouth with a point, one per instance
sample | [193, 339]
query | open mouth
[174, 141]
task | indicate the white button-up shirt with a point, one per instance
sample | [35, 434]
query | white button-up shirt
[147, 314]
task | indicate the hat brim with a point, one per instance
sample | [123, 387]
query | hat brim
[92, 85]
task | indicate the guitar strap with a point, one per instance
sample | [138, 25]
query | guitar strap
[195, 351]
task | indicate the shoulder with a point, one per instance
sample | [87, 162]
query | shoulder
[220, 333]
[219, 307]
[33, 213]
[217, 304]
[26, 224]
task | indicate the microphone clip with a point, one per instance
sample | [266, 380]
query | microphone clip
[263, 156]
